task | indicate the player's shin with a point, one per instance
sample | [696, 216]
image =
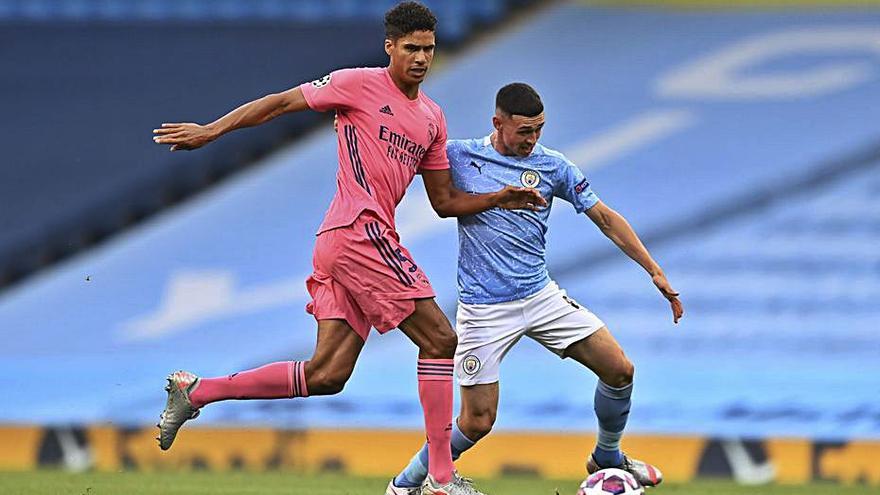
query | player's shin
[612, 410]
[435, 393]
[280, 380]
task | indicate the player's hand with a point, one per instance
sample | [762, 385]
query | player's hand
[183, 136]
[516, 198]
[672, 296]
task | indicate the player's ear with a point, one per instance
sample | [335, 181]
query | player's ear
[496, 122]
[388, 46]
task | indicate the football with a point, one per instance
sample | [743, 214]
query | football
[610, 482]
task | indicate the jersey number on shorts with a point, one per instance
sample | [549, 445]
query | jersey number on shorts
[402, 257]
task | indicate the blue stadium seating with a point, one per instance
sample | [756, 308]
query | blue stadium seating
[458, 16]
[74, 66]
[79, 160]
[761, 204]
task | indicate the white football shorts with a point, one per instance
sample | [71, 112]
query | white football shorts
[487, 332]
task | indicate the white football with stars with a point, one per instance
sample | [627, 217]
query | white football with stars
[610, 482]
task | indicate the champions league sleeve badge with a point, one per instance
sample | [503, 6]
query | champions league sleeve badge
[530, 178]
[320, 83]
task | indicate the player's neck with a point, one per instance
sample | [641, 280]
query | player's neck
[411, 91]
[493, 139]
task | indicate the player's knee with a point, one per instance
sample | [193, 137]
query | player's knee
[478, 425]
[327, 382]
[442, 343]
[622, 374]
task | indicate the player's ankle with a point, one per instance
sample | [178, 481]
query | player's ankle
[607, 458]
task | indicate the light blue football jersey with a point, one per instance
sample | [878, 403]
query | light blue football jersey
[501, 253]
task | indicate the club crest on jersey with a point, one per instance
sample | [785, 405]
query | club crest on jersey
[530, 178]
[320, 83]
[432, 132]
[471, 364]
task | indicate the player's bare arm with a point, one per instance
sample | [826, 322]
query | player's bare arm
[448, 201]
[189, 136]
[616, 228]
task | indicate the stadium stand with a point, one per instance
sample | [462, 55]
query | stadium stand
[459, 16]
[93, 77]
[742, 146]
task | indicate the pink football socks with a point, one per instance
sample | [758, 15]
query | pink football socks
[435, 393]
[281, 380]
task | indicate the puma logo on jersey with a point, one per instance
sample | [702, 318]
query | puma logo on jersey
[477, 166]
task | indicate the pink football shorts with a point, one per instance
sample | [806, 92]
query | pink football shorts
[364, 276]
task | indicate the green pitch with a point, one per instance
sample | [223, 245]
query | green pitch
[131, 483]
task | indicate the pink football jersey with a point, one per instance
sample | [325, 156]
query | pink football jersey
[384, 140]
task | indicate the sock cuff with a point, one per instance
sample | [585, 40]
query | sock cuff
[435, 369]
[612, 392]
[290, 378]
[297, 378]
[459, 439]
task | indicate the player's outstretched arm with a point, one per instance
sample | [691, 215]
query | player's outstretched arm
[189, 136]
[448, 201]
[616, 228]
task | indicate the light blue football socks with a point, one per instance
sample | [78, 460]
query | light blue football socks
[612, 410]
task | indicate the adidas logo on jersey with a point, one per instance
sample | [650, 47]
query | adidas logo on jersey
[386, 110]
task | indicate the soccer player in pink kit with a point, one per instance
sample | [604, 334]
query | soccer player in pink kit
[363, 277]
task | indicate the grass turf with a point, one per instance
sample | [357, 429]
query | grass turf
[195, 483]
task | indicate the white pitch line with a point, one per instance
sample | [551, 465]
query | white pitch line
[639, 131]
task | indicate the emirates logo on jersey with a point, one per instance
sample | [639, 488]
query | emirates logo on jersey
[401, 148]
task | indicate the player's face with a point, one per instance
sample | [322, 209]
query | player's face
[517, 134]
[411, 56]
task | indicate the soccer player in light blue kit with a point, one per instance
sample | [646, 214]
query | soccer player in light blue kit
[505, 291]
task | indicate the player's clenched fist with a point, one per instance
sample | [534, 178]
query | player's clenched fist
[183, 136]
[514, 198]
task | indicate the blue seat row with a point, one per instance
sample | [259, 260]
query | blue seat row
[457, 15]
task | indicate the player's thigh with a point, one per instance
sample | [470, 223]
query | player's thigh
[336, 352]
[557, 322]
[486, 333]
[429, 329]
[601, 353]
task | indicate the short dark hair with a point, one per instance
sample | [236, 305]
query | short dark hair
[408, 17]
[519, 99]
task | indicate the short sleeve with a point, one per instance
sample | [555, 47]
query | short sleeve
[572, 186]
[435, 158]
[338, 90]
[453, 150]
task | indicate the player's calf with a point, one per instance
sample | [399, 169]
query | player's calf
[323, 381]
[476, 424]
